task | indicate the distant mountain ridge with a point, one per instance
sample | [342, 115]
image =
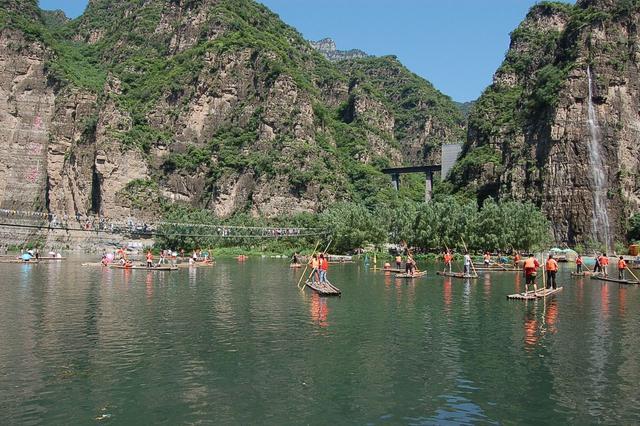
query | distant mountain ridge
[328, 48]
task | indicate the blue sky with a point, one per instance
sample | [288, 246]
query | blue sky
[455, 44]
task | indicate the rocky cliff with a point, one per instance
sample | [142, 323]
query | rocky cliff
[560, 124]
[328, 48]
[215, 104]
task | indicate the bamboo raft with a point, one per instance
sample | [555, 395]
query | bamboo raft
[415, 275]
[492, 269]
[581, 274]
[533, 295]
[613, 280]
[195, 265]
[295, 265]
[456, 275]
[394, 270]
[324, 289]
[145, 268]
[33, 261]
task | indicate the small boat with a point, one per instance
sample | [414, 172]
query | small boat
[145, 268]
[533, 295]
[456, 275]
[414, 275]
[324, 289]
[612, 280]
[242, 258]
[24, 262]
[295, 265]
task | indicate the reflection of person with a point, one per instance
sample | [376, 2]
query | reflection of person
[530, 330]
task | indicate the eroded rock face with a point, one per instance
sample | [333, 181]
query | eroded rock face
[26, 111]
[544, 147]
[241, 115]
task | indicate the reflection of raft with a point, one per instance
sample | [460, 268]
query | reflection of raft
[581, 274]
[613, 280]
[144, 268]
[415, 275]
[530, 295]
[324, 289]
[456, 275]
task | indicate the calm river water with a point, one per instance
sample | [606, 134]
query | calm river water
[239, 344]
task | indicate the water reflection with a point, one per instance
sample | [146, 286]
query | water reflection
[531, 335]
[446, 294]
[149, 285]
[319, 310]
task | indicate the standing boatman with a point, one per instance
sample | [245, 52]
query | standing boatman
[579, 263]
[622, 265]
[447, 261]
[467, 263]
[552, 269]
[531, 266]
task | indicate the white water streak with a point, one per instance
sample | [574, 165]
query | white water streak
[600, 220]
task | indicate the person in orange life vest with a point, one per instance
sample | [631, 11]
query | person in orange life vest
[323, 266]
[447, 261]
[579, 263]
[530, 271]
[487, 259]
[149, 259]
[516, 260]
[552, 269]
[604, 262]
[398, 261]
[315, 265]
[622, 265]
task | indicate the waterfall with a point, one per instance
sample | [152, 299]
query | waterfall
[600, 220]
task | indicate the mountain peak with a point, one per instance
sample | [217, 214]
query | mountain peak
[328, 48]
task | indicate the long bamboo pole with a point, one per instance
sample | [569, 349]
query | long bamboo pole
[307, 265]
[634, 275]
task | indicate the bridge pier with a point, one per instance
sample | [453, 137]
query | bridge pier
[395, 180]
[428, 187]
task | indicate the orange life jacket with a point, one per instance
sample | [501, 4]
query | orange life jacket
[551, 265]
[622, 264]
[579, 261]
[604, 261]
[530, 263]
